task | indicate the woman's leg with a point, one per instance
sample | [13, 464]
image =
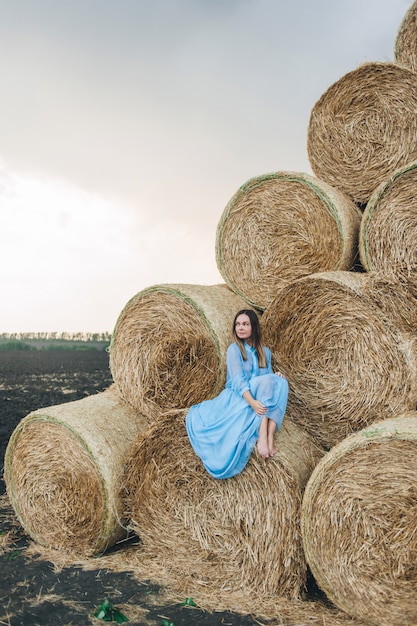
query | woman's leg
[265, 445]
[271, 428]
[272, 391]
[262, 445]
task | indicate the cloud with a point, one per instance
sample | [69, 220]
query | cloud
[70, 260]
[127, 126]
[110, 95]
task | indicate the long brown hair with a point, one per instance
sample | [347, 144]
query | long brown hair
[256, 336]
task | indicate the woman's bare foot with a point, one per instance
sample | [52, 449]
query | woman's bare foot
[263, 449]
[262, 445]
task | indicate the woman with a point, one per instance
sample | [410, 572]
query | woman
[223, 431]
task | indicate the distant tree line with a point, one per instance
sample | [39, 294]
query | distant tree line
[54, 341]
[64, 336]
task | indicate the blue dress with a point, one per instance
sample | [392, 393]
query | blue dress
[223, 431]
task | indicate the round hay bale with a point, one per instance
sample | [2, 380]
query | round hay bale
[405, 50]
[235, 534]
[346, 363]
[168, 348]
[388, 233]
[280, 227]
[359, 519]
[395, 297]
[363, 128]
[63, 467]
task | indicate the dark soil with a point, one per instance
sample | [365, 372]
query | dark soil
[31, 592]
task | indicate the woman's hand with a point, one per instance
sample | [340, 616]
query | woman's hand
[280, 374]
[258, 407]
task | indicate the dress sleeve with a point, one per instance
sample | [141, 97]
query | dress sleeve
[236, 376]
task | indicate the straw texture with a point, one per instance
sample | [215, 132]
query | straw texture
[406, 41]
[359, 520]
[63, 467]
[363, 128]
[388, 234]
[346, 362]
[238, 534]
[395, 297]
[282, 226]
[168, 348]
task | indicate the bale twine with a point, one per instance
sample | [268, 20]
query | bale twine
[346, 363]
[388, 233]
[282, 226]
[363, 128]
[359, 520]
[63, 467]
[168, 348]
[239, 534]
[405, 50]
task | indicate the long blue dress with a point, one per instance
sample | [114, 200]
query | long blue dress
[223, 431]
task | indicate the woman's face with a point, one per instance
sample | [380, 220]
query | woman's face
[243, 327]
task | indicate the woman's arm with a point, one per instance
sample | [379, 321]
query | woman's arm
[256, 405]
[238, 379]
[236, 376]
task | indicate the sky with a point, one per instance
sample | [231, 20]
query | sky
[126, 126]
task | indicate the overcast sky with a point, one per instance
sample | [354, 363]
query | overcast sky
[127, 125]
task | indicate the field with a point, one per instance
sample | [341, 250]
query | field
[32, 591]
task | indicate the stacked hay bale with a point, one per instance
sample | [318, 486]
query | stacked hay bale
[347, 362]
[63, 469]
[388, 234]
[406, 41]
[281, 226]
[363, 128]
[242, 533]
[395, 297]
[359, 519]
[168, 348]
